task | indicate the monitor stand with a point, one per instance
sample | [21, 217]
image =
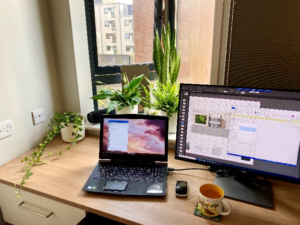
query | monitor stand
[242, 187]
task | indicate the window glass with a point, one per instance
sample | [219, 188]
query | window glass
[108, 48]
[126, 18]
[195, 26]
[106, 23]
[104, 103]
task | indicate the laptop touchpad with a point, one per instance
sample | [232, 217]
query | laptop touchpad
[115, 186]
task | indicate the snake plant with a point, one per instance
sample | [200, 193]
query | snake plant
[165, 56]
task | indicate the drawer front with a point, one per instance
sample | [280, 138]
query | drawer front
[62, 214]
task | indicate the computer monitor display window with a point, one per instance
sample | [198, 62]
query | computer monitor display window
[246, 129]
[133, 136]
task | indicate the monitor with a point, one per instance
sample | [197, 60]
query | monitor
[243, 130]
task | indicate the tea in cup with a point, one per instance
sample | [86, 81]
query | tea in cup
[211, 201]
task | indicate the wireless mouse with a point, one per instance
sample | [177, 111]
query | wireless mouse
[181, 188]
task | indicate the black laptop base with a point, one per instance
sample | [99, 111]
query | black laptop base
[125, 187]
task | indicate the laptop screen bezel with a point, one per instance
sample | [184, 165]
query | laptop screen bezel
[124, 157]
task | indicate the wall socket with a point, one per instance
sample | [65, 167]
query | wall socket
[38, 116]
[6, 129]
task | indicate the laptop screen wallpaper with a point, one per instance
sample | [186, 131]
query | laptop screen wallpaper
[134, 136]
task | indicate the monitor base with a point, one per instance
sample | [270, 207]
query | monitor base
[246, 190]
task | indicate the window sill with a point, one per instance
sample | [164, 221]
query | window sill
[94, 129]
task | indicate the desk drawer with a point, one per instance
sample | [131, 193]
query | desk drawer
[62, 214]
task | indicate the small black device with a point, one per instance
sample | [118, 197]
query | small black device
[94, 117]
[133, 156]
[181, 188]
[246, 132]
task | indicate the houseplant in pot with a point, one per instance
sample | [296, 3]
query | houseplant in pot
[73, 122]
[164, 93]
[126, 101]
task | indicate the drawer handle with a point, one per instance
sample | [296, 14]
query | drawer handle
[34, 212]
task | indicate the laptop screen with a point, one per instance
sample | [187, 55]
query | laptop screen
[134, 136]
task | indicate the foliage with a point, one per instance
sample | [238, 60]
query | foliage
[130, 96]
[200, 119]
[165, 56]
[59, 121]
[163, 97]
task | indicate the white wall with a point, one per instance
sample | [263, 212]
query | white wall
[28, 73]
[71, 45]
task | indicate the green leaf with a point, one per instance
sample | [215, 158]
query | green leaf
[22, 160]
[135, 82]
[112, 106]
[103, 94]
[50, 154]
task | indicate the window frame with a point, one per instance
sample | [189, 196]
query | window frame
[112, 74]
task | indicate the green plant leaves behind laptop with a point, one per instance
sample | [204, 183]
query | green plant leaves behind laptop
[130, 96]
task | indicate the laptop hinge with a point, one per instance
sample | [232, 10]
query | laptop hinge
[104, 160]
[160, 163]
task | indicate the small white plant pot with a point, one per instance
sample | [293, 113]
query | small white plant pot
[172, 121]
[128, 110]
[66, 133]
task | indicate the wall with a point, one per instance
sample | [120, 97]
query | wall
[28, 74]
[70, 42]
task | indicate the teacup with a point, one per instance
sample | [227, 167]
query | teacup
[211, 201]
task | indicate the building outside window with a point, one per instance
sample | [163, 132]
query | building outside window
[132, 38]
[111, 54]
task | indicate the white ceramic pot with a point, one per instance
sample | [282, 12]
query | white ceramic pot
[172, 121]
[66, 133]
[128, 110]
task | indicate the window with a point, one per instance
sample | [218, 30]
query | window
[126, 22]
[132, 38]
[106, 23]
[127, 35]
[108, 48]
[105, 64]
[128, 48]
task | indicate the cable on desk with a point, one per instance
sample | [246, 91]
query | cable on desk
[172, 169]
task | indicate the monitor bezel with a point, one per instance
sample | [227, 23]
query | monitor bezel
[256, 173]
[124, 157]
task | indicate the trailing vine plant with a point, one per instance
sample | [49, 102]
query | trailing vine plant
[59, 121]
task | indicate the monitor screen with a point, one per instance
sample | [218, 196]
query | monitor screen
[134, 136]
[244, 129]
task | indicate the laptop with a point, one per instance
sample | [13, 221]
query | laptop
[133, 156]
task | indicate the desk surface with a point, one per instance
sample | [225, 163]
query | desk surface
[62, 180]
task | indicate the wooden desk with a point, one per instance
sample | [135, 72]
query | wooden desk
[62, 180]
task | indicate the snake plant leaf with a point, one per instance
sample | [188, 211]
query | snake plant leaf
[112, 106]
[157, 54]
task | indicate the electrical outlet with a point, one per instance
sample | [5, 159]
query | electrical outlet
[6, 129]
[38, 116]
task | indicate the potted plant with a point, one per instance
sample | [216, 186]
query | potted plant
[125, 102]
[67, 122]
[164, 93]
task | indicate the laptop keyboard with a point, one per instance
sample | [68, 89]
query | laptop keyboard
[130, 173]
